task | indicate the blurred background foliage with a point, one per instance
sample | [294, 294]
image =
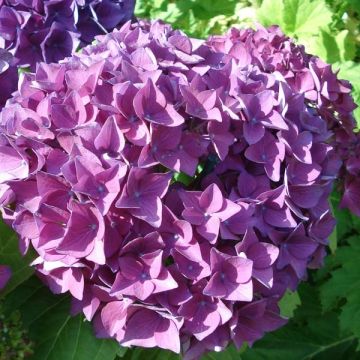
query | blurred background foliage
[325, 311]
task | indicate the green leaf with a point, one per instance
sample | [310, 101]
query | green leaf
[183, 178]
[346, 45]
[333, 240]
[295, 17]
[289, 303]
[310, 335]
[343, 287]
[271, 12]
[10, 255]
[55, 334]
[306, 21]
[231, 353]
[330, 52]
[344, 224]
[355, 5]
[150, 354]
[305, 16]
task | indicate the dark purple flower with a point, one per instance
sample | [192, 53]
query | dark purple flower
[269, 152]
[142, 195]
[203, 314]
[231, 277]
[49, 31]
[263, 255]
[207, 210]
[151, 105]
[253, 320]
[150, 327]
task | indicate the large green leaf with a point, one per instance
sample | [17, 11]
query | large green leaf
[295, 17]
[343, 287]
[150, 354]
[231, 353]
[311, 335]
[10, 255]
[289, 303]
[158, 354]
[271, 13]
[55, 334]
[305, 16]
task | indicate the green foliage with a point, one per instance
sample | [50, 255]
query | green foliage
[150, 354]
[310, 335]
[182, 178]
[289, 303]
[342, 288]
[198, 18]
[10, 255]
[14, 341]
[54, 333]
[295, 17]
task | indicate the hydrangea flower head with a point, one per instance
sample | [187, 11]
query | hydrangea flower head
[175, 187]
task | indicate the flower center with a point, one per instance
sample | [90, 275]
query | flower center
[93, 226]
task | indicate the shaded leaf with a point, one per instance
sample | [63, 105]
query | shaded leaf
[310, 335]
[10, 255]
[343, 287]
[289, 303]
[55, 334]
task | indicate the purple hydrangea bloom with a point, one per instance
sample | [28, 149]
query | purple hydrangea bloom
[175, 187]
[34, 31]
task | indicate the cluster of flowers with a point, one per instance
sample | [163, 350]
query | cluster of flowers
[175, 187]
[51, 30]
[323, 92]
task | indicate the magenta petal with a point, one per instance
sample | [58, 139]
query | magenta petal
[216, 286]
[110, 139]
[264, 276]
[130, 268]
[12, 165]
[243, 266]
[141, 328]
[253, 132]
[149, 328]
[210, 229]
[241, 292]
[85, 225]
[113, 316]
[211, 200]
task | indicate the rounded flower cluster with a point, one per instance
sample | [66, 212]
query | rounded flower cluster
[37, 30]
[175, 187]
[322, 90]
